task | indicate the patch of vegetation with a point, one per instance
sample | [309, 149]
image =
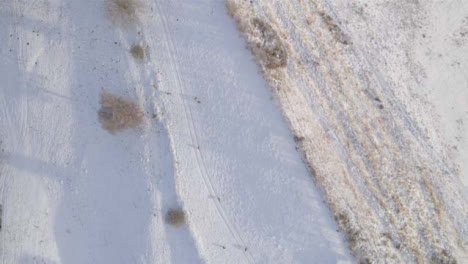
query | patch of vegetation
[117, 113]
[232, 8]
[443, 257]
[123, 12]
[353, 234]
[137, 52]
[267, 45]
[338, 34]
[175, 217]
[298, 139]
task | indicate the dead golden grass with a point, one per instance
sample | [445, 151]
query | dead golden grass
[338, 34]
[117, 113]
[137, 52]
[269, 46]
[175, 217]
[262, 39]
[124, 12]
[391, 208]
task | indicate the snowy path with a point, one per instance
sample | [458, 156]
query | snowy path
[213, 142]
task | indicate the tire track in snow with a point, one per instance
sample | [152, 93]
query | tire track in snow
[180, 241]
[194, 137]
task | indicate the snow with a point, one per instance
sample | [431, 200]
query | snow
[374, 92]
[350, 91]
[213, 142]
[443, 51]
[421, 47]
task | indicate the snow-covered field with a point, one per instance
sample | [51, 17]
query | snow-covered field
[213, 142]
[364, 110]
[351, 85]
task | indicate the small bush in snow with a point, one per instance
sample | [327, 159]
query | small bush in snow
[117, 113]
[137, 52]
[123, 12]
[175, 217]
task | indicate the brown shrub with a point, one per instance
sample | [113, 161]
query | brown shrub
[137, 52]
[123, 12]
[175, 217]
[117, 113]
[267, 45]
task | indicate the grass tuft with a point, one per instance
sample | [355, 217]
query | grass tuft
[137, 52]
[175, 217]
[268, 45]
[117, 113]
[123, 12]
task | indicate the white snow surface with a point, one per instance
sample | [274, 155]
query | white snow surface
[213, 142]
[423, 47]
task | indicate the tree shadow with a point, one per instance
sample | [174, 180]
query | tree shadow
[106, 208]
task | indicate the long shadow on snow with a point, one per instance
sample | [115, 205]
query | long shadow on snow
[106, 206]
[110, 204]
